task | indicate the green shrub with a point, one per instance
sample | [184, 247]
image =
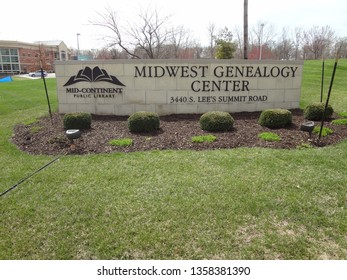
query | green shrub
[315, 111]
[143, 122]
[216, 121]
[269, 136]
[77, 121]
[124, 142]
[275, 118]
[204, 138]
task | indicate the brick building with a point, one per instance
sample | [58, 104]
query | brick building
[20, 57]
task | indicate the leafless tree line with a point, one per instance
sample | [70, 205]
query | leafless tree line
[153, 36]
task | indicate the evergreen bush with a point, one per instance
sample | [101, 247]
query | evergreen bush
[216, 121]
[275, 118]
[315, 111]
[143, 122]
[77, 120]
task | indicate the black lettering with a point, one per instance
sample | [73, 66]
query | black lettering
[156, 73]
[236, 86]
[195, 86]
[239, 71]
[184, 72]
[285, 72]
[245, 85]
[257, 73]
[293, 70]
[205, 85]
[275, 72]
[203, 74]
[249, 71]
[194, 71]
[172, 70]
[229, 72]
[216, 85]
[139, 73]
[218, 74]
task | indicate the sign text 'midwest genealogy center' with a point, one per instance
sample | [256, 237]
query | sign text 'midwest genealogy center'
[123, 87]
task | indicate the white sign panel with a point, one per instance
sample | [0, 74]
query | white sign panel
[123, 87]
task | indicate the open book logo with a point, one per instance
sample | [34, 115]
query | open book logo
[93, 75]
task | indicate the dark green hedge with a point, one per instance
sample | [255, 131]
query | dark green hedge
[275, 118]
[216, 121]
[77, 120]
[315, 111]
[143, 122]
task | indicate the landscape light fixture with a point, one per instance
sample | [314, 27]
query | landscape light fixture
[308, 127]
[72, 134]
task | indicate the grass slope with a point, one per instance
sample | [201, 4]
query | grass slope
[228, 204]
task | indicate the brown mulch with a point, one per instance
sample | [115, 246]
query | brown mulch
[175, 133]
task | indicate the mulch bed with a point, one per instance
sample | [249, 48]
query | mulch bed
[175, 133]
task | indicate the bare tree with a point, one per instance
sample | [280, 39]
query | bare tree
[285, 47]
[211, 29]
[318, 40]
[42, 59]
[239, 39]
[342, 45]
[263, 32]
[298, 40]
[145, 39]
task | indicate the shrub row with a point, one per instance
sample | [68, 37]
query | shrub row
[210, 121]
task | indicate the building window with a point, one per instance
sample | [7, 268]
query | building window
[14, 52]
[4, 51]
[9, 60]
[63, 55]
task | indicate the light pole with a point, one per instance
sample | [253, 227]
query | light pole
[78, 46]
[261, 40]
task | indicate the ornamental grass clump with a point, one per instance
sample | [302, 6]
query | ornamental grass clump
[325, 131]
[216, 121]
[124, 142]
[269, 136]
[143, 122]
[275, 118]
[204, 138]
[77, 120]
[315, 111]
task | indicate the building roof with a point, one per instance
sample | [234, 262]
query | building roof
[49, 43]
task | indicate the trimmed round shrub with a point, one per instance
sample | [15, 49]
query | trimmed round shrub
[216, 121]
[77, 121]
[143, 122]
[275, 118]
[315, 111]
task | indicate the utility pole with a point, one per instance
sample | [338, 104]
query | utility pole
[245, 29]
[78, 46]
[261, 40]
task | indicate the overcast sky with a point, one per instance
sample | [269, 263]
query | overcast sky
[42, 20]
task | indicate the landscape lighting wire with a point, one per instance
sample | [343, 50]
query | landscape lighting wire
[32, 174]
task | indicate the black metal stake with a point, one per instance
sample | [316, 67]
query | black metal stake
[328, 97]
[322, 84]
[49, 104]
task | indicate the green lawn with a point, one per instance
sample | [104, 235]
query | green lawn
[227, 204]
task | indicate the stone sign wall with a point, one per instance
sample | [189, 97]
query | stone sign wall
[123, 87]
